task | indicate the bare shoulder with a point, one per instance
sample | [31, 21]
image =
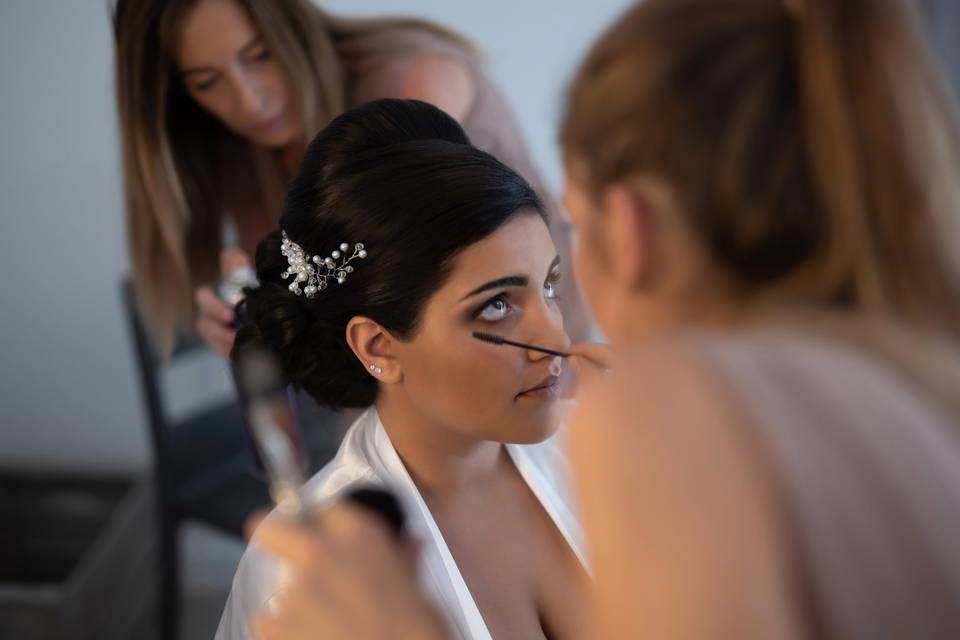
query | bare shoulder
[672, 492]
[443, 81]
[641, 372]
[658, 383]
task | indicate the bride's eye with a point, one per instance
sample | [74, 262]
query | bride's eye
[550, 286]
[495, 310]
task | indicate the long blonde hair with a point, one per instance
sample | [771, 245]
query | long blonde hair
[172, 148]
[813, 144]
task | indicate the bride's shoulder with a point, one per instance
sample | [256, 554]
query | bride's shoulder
[351, 465]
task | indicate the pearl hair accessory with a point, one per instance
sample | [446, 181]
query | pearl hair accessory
[316, 271]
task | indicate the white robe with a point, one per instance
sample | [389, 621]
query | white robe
[367, 457]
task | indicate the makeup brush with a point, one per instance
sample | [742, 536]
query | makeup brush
[280, 449]
[495, 339]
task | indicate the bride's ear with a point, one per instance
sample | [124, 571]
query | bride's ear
[373, 346]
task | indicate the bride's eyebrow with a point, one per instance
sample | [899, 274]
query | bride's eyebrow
[509, 281]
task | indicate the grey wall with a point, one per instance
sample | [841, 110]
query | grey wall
[943, 22]
[66, 380]
[68, 391]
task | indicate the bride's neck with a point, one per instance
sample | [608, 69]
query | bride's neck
[444, 464]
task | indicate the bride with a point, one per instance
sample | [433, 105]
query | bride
[438, 240]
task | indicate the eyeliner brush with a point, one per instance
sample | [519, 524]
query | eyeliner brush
[495, 339]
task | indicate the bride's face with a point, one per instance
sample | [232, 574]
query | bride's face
[505, 285]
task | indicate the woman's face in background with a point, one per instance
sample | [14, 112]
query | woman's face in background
[228, 69]
[505, 285]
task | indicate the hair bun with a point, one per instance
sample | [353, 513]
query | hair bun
[307, 339]
[384, 123]
[363, 180]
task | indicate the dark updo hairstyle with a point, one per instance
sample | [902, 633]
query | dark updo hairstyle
[401, 177]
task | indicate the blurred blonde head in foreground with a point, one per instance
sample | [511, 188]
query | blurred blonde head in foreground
[808, 149]
[766, 198]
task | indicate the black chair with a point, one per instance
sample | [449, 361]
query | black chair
[203, 465]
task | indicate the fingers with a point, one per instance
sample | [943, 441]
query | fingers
[273, 627]
[298, 615]
[592, 353]
[253, 523]
[590, 362]
[265, 627]
[576, 366]
[344, 522]
[306, 549]
[212, 307]
[590, 357]
[351, 579]
[219, 338]
[345, 536]
[213, 321]
[365, 543]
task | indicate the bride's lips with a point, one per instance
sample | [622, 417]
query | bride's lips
[549, 387]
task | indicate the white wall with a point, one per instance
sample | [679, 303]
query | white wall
[68, 391]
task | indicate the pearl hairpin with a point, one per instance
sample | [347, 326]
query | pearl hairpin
[315, 271]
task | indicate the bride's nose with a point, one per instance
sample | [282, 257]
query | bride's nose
[546, 330]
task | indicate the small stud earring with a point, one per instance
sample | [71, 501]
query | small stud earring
[373, 367]
[378, 370]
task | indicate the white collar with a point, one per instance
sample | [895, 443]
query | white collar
[540, 466]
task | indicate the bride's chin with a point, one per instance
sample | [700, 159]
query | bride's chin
[537, 427]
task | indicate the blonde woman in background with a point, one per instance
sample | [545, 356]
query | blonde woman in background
[766, 203]
[217, 99]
